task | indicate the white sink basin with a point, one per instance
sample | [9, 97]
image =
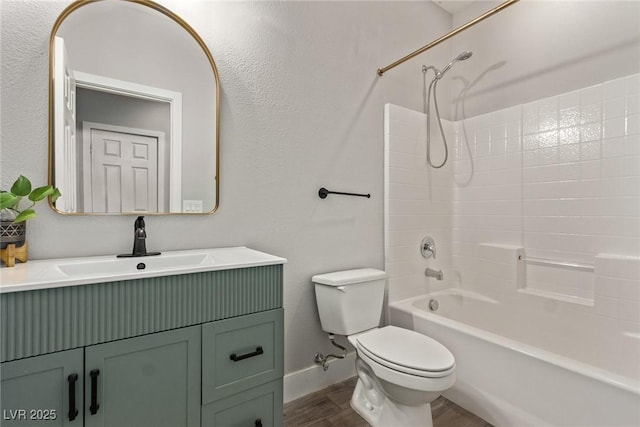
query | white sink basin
[129, 265]
[53, 273]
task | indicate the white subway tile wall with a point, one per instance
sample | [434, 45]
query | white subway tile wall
[418, 203]
[488, 195]
[559, 177]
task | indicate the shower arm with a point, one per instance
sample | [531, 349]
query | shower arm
[436, 42]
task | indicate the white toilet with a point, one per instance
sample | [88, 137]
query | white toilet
[400, 372]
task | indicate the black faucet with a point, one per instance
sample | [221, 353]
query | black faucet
[139, 241]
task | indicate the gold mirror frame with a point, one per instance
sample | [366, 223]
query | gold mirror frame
[178, 20]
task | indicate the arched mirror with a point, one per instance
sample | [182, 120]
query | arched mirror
[133, 111]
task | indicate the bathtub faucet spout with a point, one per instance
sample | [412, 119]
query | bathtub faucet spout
[433, 273]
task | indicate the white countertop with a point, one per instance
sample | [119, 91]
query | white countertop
[54, 273]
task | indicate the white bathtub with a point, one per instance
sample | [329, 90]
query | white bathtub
[522, 367]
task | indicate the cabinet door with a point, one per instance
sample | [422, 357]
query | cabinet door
[42, 391]
[147, 381]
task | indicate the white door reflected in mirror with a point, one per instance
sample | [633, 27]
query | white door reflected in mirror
[122, 171]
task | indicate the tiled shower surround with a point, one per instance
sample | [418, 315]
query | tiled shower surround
[554, 179]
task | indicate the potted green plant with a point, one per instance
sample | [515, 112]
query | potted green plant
[13, 216]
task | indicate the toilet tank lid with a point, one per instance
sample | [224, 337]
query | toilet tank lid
[349, 277]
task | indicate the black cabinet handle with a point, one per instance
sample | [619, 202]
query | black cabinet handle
[235, 358]
[258, 423]
[73, 411]
[94, 391]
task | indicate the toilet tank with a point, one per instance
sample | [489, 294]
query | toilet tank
[350, 301]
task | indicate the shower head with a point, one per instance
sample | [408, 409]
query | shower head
[462, 57]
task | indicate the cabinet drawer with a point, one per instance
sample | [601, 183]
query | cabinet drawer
[240, 353]
[259, 407]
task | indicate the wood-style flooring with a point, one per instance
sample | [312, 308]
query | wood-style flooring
[330, 407]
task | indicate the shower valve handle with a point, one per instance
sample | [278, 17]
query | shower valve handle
[428, 247]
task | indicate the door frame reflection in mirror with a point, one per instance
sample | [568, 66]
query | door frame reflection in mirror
[89, 81]
[173, 99]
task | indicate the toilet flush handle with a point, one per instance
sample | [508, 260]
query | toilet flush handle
[341, 289]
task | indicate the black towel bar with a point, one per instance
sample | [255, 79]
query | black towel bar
[323, 193]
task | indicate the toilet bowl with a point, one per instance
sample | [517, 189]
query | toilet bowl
[400, 372]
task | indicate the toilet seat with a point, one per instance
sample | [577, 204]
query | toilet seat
[406, 380]
[406, 351]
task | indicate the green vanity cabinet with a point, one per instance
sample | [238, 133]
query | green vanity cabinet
[41, 390]
[189, 350]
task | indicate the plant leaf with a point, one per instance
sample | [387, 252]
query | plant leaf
[25, 215]
[7, 200]
[54, 196]
[21, 187]
[40, 193]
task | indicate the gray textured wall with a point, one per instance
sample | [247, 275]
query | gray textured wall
[536, 49]
[301, 107]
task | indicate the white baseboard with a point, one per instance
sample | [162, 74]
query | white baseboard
[313, 378]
